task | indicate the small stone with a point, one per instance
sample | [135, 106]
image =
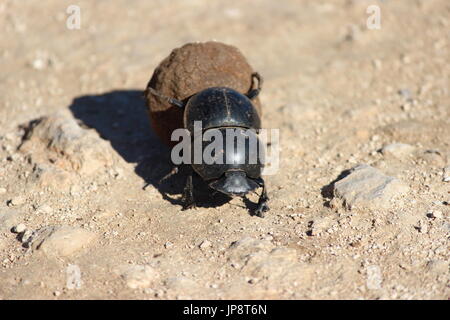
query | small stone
[446, 176]
[16, 201]
[437, 214]
[61, 241]
[168, 245]
[38, 64]
[398, 150]
[405, 94]
[139, 276]
[205, 244]
[406, 106]
[19, 228]
[45, 209]
[57, 293]
[367, 187]
[318, 225]
[374, 277]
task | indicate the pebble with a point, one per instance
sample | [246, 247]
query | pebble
[16, 201]
[19, 228]
[205, 244]
[367, 187]
[318, 225]
[434, 214]
[446, 176]
[45, 209]
[168, 245]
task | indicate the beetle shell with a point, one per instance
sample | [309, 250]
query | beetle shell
[221, 107]
[188, 70]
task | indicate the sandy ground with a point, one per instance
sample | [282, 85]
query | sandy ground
[338, 92]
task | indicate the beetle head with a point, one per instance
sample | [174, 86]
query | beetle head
[234, 183]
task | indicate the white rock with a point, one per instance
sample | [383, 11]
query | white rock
[367, 187]
[446, 177]
[19, 228]
[205, 244]
[168, 245]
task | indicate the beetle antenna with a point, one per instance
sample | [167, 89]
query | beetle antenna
[167, 176]
[254, 92]
[172, 101]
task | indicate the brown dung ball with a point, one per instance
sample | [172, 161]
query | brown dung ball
[189, 70]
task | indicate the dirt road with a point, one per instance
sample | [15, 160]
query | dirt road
[76, 150]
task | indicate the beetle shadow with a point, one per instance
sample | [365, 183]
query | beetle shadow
[121, 117]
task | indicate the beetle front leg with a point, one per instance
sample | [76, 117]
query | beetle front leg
[188, 193]
[263, 200]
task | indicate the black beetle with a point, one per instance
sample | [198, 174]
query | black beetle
[221, 108]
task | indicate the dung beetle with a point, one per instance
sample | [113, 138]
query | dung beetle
[222, 108]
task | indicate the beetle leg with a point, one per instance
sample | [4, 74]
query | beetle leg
[263, 200]
[254, 92]
[171, 173]
[172, 101]
[188, 193]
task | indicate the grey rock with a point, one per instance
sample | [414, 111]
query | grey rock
[398, 150]
[72, 148]
[367, 187]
